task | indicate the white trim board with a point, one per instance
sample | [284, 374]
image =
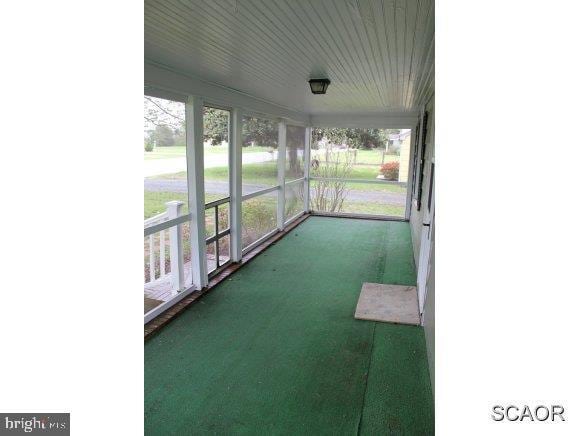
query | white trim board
[162, 81]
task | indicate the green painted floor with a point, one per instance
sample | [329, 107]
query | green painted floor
[275, 349]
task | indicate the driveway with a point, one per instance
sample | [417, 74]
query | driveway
[218, 187]
[157, 167]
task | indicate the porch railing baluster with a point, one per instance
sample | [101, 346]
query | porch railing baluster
[151, 258]
[150, 241]
[175, 247]
[217, 231]
[162, 253]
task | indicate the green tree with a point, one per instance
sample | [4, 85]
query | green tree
[164, 122]
[354, 138]
[259, 131]
[149, 143]
[179, 137]
[215, 125]
[294, 142]
[163, 136]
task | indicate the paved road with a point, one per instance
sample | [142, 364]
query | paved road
[216, 187]
[157, 167]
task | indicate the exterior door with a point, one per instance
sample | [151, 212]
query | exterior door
[427, 240]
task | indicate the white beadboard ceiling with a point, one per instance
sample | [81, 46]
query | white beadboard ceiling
[378, 54]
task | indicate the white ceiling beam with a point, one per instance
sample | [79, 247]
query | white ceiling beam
[385, 120]
[179, 84]
[165, 83]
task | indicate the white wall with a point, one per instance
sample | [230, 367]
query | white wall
[429, 316]
[416, 222]
[416, 219]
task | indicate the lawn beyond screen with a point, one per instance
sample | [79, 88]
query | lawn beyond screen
[165, 198]
[259, 154]
[360, 171]
[165, 166]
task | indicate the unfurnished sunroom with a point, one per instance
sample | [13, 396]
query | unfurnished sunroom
[288, 166]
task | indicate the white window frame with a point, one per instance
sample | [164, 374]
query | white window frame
[409, 191]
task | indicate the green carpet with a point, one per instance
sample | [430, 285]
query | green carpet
[275, 349]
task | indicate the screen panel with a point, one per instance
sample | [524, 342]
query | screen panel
[295, 145]
[216, 136]
[294, 200]
[361, 171]
[259, 154]
[258, 217]
[164, 165]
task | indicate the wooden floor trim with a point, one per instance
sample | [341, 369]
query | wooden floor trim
[359, 217]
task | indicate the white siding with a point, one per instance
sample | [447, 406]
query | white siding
[416, 219]
[416, 222]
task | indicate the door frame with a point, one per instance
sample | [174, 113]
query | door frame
[427, 239]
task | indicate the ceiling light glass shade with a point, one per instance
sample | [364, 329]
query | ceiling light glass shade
[319, 86]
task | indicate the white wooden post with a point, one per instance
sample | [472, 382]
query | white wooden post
[151, 258]
[281, 173]
[307, 141]
[236, 185]
[195, 189]
[175, 247]
[162, 253]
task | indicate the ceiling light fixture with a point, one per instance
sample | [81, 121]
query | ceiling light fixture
[319, 86]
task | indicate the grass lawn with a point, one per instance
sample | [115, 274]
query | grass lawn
[165, 152]
[376, 187]
[368, 157]
[179, 151]
[155, 201]
[363, 157]
[372, 208]
[155, 204]
[257, 173]
[266, 173]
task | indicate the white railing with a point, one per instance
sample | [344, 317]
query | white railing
[157, 219]
[173, 213]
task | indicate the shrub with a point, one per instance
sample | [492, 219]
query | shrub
[329, 195]
[148, 146]
[257, 219]
[390, 170]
